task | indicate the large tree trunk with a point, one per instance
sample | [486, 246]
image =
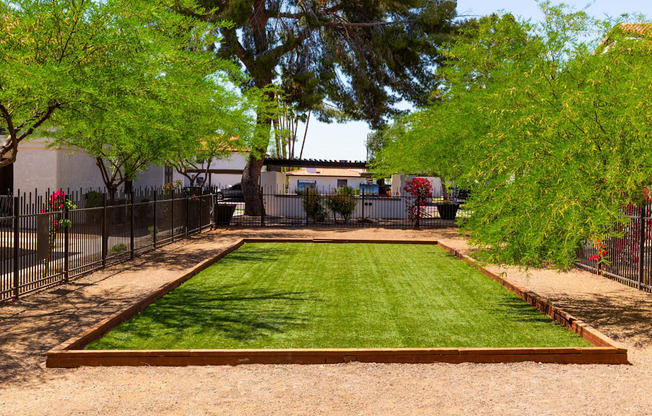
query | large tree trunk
[250, 178]
[251, 173]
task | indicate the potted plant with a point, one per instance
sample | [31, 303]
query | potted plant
[223, 213]
[447, 209]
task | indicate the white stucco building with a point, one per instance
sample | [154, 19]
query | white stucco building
[327, 179]
[39, 167]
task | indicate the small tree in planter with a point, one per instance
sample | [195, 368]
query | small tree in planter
[419, 190]
[313, 204]
[342, 201]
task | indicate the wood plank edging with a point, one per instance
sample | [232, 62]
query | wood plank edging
[71, 354]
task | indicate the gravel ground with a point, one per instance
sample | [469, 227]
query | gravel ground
[33, 325]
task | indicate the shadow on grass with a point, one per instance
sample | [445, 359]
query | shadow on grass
[231, 314]
[517, 310]
[255, 253]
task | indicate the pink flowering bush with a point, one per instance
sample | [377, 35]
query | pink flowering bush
[55, 206]
[172, 186]
[418, 190]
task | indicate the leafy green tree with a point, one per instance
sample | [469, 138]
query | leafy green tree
[171, 96]
[223, 125]
[60, 55]
[362, 56]
[547, 128]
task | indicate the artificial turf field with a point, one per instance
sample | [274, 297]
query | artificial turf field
[307, 295]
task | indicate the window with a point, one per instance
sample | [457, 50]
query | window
[341, 183]
[303, 184]
[167, 175]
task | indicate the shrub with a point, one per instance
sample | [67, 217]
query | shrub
[152, 232]
[342, 201]
[313, 204]
[118, 248]
[419, 190]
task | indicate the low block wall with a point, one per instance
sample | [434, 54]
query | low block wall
[374, 207]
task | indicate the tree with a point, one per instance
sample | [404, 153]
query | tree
[223, 126]
[362, 56]
[343, 201]
[56, 55]
[171, 95]
[550, 135]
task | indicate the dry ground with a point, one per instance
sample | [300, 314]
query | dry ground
[33, 325]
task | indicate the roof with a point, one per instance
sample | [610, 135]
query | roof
[640, 29]
[314, 163]
[322, 172]
[629, 30]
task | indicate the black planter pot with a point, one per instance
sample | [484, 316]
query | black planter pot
[447, 211]
[223, 213]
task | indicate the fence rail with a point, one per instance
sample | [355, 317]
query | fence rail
[628, 257]
[37, 250]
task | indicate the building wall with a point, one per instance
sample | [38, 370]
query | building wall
[153, 176]
[236, 161]
[291, 206]
[325, 183]
[38, 167]
[76, 170]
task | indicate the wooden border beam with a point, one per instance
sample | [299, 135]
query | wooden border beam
[71, 353]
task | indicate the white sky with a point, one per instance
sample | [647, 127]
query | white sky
[346, 141]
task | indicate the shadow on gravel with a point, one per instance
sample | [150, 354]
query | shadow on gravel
[625, 320]
[39, 324]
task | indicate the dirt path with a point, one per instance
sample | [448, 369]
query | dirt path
[30, 327]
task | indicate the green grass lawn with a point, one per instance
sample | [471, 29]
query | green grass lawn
[299, 295]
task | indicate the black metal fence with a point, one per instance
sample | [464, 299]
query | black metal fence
[38, 250]
[333, 210]
[628, 257]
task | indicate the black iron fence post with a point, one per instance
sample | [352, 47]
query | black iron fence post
[132, 237]
[187, 216]
[66, 243]
[154, 221]
[16, 244]
[199, 217]
[641, 248]
[105, 237]
[363, 206]
[172, 217]
[262, 208]
[417, 224]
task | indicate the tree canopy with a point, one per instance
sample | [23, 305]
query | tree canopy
[129, 82]
[548, 128]
[361, 56]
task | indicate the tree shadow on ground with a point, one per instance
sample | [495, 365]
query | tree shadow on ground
[627, 320]
[43, 321]
[235, 314]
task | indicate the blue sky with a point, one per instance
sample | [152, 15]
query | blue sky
[346, 141]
